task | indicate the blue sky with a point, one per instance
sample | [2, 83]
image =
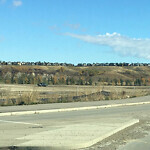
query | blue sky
[75, 31]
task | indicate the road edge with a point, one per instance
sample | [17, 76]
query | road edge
[69, 109]
[128, 124]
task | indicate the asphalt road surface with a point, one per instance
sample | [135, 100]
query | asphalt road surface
[139, 144]
[15, 130]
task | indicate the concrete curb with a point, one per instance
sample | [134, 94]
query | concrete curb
[128, 124]
[69, 109]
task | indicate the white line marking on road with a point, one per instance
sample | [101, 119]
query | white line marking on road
[26, 123]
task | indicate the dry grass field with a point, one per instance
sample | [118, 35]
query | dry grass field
[11, 94]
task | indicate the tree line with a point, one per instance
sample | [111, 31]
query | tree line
[68, 76]
[23, 78]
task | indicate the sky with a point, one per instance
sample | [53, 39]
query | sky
[75, 31]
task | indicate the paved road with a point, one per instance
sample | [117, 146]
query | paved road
[16, 130]
[71, 105]
[139, 144]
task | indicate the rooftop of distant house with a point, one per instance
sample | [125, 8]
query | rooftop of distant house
[70, 64]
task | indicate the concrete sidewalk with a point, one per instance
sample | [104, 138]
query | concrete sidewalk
[78, 135]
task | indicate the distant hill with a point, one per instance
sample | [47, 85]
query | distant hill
[70, 75]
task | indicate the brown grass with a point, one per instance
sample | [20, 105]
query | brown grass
[31, 94]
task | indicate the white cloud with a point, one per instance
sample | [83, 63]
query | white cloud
[17, 3]
[72, 26]
[55, 29]
[120, 44]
